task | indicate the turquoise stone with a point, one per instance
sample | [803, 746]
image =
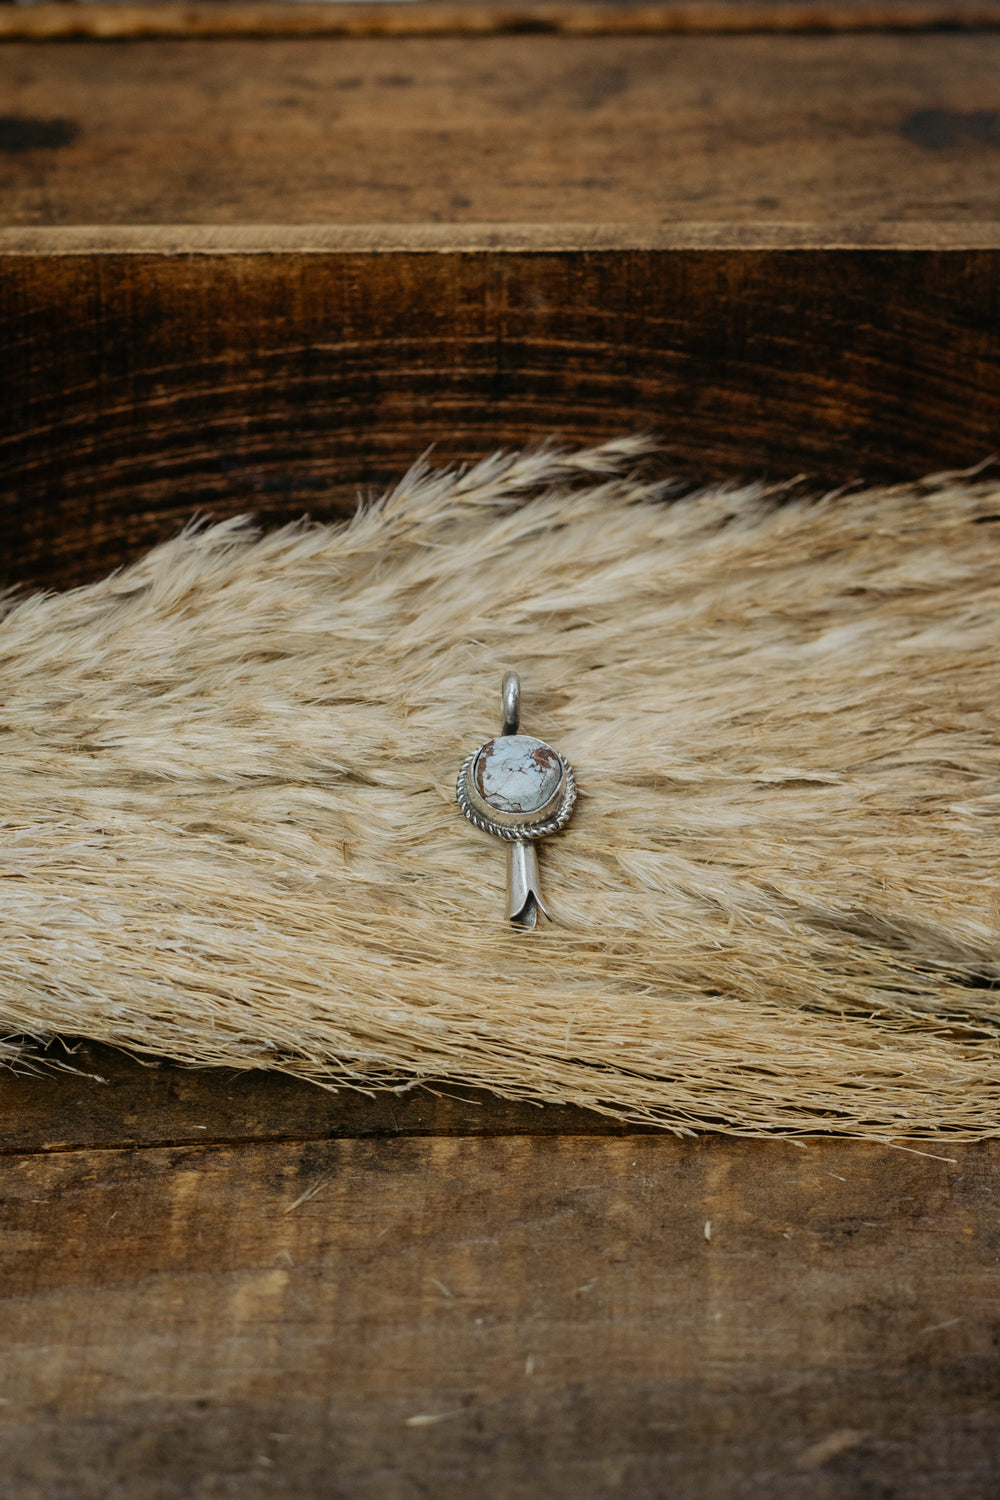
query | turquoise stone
[517, 774]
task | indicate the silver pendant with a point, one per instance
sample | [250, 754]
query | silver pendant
[520, 790]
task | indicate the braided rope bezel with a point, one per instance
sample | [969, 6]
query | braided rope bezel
[551, 824]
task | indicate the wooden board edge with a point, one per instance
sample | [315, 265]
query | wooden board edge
[374, 239]
[55, 20]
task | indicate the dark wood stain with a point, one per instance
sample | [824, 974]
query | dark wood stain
[942, 129]
[110, 1101]
[52, 20]
[286, 384]
[21, 133]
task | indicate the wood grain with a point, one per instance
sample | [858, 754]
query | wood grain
[558, 1317]
[54, 20]
[549, 129]
[77, 1094]
[284, 383]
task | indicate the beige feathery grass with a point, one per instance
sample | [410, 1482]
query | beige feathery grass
[229, 831]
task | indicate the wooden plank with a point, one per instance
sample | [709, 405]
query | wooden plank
[535, 1317]
[54, 20]
[550, 129]
[80, 1094]
[283, 383]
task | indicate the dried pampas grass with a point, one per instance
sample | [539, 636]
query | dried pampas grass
[229, 822]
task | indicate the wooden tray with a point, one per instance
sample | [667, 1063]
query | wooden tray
[259, 257]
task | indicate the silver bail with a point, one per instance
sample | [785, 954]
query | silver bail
[510, 704]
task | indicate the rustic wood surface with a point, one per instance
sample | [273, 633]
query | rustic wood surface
[74, 1095]
[53, 20]
[137, 389]
[549, 129]
[306, 1302]
[282, 379]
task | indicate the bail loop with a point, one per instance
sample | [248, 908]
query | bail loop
[510, 704]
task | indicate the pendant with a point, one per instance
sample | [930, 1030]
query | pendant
[520, 790]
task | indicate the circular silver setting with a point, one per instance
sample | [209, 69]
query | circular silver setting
[517, 827]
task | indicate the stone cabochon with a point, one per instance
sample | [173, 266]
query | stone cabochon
[517, 774]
